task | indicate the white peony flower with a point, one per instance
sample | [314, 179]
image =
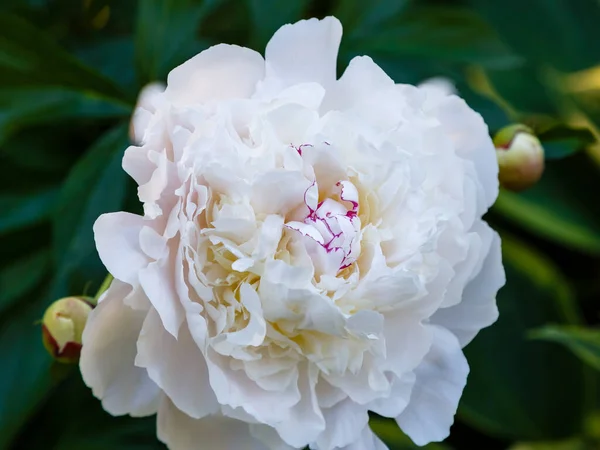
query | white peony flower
[312, 249]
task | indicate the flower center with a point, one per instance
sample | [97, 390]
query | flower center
[331, 228]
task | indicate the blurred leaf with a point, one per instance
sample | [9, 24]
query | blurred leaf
[22, 275]
[571, 444]
[29, 57]
[584, 342]
[268, 15]
[389, 432]
[95, 185]
[561, 148]
[493, 115]
[547, 31]
[166, 35]
[360, 18]
[525, 89]
[40, 150]
[19, 210]
[515, 383]
[560, 207]
[112, 57]
[559, 139]
[446, 34]
[20, 107]
[25, 370]
[84, 425]
[40, 82]
[548, 222]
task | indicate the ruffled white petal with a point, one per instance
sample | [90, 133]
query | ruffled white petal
[304, 51]
[344, 423]
[367, 441]
[177, 366]
[108, 354]
[440, 380]
[219, 73]
[361, 79]
[180, 432]
[478, 308]
[117, 241]
[470, 134]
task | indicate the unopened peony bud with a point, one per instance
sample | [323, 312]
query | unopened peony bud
[520, 157]
[62, 327]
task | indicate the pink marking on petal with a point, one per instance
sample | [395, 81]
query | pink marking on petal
[306, 230]
[349, 193]
[299, 148]
[323, 217]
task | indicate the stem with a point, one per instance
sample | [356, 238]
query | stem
[103, 287]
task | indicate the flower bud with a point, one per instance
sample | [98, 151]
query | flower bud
[520, 157]
[62, 327]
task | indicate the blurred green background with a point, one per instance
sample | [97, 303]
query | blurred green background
[70, 71]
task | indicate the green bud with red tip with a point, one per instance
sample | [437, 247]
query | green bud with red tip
[62, 327]
[520, 157]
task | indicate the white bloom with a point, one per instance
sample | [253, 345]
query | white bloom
[312, 249]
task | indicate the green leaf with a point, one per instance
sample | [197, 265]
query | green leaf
[95, 185]
[561, 140]
[24, 106]
[389, 432]
[25, 377]
[29, 57]
[547, 31]
[38, 154]
[22, 210]
[21, 276]
[446, 34]
[112, 57]
[360, 18]
[570, 444]
[83, 425]
[561, 148]
[41, 83]
[268, 15]
[560, 207]
[166, 35]
[515, 383]
[524, 88]
[584, 342]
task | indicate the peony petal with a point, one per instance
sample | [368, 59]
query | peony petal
[399, 326]
[367, 441]
[148, 102]
[478, 308]
[305, 51]
[360, 80]
[117, 237]
[218, 73]
[470, 135]
[159, 286]
[269, 437]
[441, 378]
[398, 399]
[177, 366]
[438, 86]
[108, 354]
[306, 420]
[181, 432]
[137, 164]
[344, 423]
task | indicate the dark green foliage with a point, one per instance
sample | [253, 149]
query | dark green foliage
[70, 72]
